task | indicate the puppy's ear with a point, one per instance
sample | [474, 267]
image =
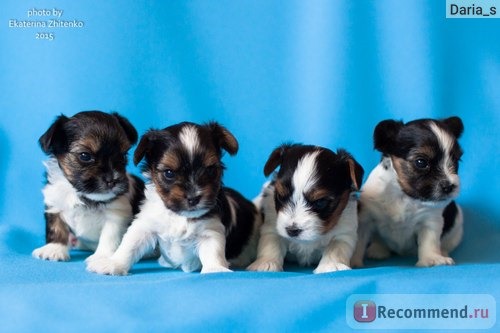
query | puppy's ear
[223, 139]
[129, 129]
[455, 125]
[356, 171]
[275, 159]
[54, 141]
[384, 136]
[144, 146]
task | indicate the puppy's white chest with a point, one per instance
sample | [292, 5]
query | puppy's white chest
[85, 222]
[396, 217]
[399, 228]
[174, 228]
[178, 244]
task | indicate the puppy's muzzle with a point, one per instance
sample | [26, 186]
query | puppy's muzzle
[193, 200]
[447, 187]
[110, 182]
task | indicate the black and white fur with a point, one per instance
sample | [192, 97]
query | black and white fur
[310, 209]
[406, 204]
[89, 198]
[197, 223]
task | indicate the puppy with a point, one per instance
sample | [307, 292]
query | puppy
[89, 197]
[406, 204]
[196, 222]
[310, 213]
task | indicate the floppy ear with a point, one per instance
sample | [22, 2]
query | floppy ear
[275, 159]
[54, 140]
[144, 146]
[129, 129]
[356, 171]
[455, 125]
[385, 134]
[223, 139]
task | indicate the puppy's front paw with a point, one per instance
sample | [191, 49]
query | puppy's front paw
[106, 266]
[214, 269]
[331, 267]
[434, 260]
[94, 257]
[52, 251]
[262, 265]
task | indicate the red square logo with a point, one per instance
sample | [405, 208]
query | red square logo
[365, 311]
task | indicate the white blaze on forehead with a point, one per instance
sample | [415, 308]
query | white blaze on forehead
[297, 211]
[304, 177]
[189, 138]
[446, 142]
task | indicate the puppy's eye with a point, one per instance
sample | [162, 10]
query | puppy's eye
[320, 204]
[85, 157]
[421, 163]
[169, 174]
[211, 171]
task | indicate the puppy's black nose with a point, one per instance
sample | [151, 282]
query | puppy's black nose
[109, 181]
[193, 201]
[293, 231]
[111, 184]
[447, 187]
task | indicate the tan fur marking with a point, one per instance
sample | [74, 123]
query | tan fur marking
[176, 193]
[65, 162]
[280, 189]
[317, 194]
[334, 218]
[210, 159]
[422, 151]
[399, 167]
[91, 144]
[170, 161]
[57, 231]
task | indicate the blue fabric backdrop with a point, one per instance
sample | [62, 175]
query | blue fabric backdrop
[318, 72]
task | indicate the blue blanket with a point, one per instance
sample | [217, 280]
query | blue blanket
[62, 296]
